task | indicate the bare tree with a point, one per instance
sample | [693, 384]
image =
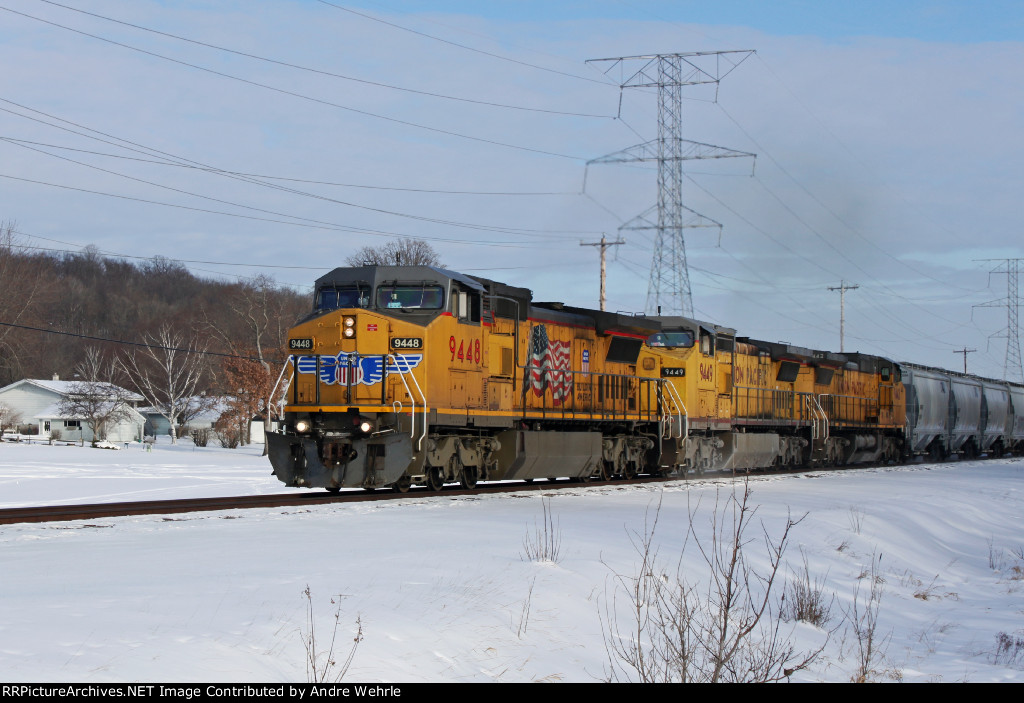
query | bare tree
[397, 252]
[95, 400]
[167, 373]
[725, 630]
[261, 313]
[23, 291]
[9, 418]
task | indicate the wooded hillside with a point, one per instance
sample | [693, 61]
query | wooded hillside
[94, 299]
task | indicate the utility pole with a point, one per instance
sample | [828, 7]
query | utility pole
[604, 244]
[1012, 367]
[842, 288]
[669, 285]
[965, 351]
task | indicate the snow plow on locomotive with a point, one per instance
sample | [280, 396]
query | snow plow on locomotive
[414, 375]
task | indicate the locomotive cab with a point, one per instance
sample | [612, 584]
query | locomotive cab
[351, 405]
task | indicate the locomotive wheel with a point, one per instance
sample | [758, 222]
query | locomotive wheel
[629, 471]
[332, 489]
[606, 471]
[469, 477]
[435, 479]
[401, 485]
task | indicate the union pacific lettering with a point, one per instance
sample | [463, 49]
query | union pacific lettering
[751, 377]
[848, 387]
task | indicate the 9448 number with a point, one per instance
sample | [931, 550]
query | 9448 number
[465, 350]
[406, 343]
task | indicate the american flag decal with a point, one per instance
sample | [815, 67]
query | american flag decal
[550, 365]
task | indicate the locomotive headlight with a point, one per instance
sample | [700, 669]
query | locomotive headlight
[365, 427]
[349, 332]
[302, 427]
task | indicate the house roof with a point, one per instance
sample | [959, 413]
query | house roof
[214, 407]
[67, 387]
[53, 412]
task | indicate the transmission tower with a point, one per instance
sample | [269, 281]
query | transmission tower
[1012, 368]
[669, 285]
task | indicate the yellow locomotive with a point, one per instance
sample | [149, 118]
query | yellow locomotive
[406, 375]
[757, 404]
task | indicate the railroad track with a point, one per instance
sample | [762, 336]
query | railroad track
[61, 513]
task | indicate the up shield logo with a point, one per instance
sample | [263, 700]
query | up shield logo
[365, 370]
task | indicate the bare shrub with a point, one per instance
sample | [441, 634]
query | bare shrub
[869, 644]
[727, 630]
[1009, 562]
[856, 516]
[1009, 650]
[545, 544]
[201, 436]
[229, 434]
[321, 665]
[524, 613]
[805, 599]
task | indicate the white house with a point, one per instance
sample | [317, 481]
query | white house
[37, 402]
[211, 409]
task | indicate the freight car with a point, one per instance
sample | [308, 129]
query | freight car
[415, 375]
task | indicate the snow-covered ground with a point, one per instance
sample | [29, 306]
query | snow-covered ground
[444, 590]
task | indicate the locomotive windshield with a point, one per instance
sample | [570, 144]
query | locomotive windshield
[671, 339]
[422, 297]
[343, 297]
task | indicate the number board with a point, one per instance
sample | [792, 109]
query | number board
[670, 372]
[300, 344]
[406, 342]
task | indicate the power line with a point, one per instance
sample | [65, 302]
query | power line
[451, 223]
[211, 169]
[464, 46]
[320, 101]
[127, 343]
[885, 252]
[323, 72]
[325, 226]
[189, 163]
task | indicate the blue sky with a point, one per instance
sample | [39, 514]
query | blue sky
[927, 20]
[887, 136]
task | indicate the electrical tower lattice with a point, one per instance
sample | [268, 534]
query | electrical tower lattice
[1013, 370]
[669, 286]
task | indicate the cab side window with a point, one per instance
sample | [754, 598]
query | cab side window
[466, 305]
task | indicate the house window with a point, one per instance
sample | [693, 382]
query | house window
[73, 424]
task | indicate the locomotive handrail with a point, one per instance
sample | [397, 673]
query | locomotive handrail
[273, 390]
[824, 416]
[412, 400]
[816, 414]
[684, 418]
